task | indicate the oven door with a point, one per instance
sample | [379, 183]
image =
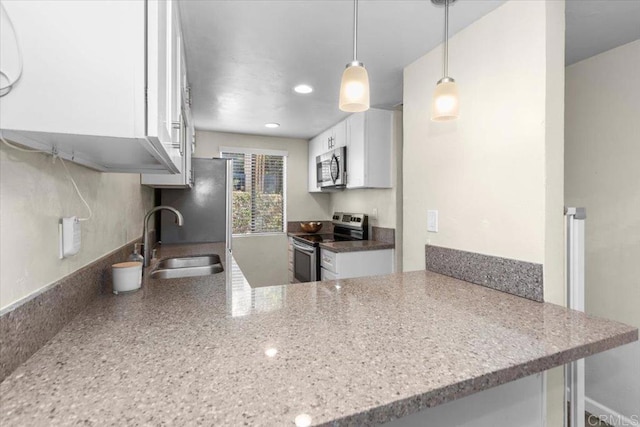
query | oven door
[305, 262]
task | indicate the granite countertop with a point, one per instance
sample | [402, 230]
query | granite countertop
[213, 351]
[350, 246]
[357, 245]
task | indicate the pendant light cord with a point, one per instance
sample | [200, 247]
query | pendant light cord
[355, 30]
[445, 62]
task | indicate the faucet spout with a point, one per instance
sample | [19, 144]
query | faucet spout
[145, 231]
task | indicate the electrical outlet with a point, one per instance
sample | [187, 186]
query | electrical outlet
[432, 221]
[374, 213]
[70, 237]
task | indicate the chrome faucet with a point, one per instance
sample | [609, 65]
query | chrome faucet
[145, 236]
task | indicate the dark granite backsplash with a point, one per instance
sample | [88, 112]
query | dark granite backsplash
[519, 278]
[381, 234]
[26, 327]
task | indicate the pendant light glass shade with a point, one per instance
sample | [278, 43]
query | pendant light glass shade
[354, 89]
[445, 105]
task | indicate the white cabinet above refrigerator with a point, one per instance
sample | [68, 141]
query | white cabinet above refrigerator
[98, 82]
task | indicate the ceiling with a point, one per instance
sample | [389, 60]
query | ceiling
[245, 57]
[595, 26]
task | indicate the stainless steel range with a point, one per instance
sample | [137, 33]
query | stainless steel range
[306, 248]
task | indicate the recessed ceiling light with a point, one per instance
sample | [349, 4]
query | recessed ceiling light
[304, 89]
[272, 125]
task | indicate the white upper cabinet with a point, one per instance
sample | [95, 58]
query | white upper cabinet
[98, 85]
[182, 132]
[370, 149]
[340, 134]
[368, 137]
[317, 146]
[328, 140]
[334, 137]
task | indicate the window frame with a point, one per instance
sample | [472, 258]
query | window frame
[266, 152]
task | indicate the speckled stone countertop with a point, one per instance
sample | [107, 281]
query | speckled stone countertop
[214, 351]
[357, 245]
[350, 246]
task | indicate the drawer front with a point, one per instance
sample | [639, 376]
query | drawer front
[327, 275]
[328, 260]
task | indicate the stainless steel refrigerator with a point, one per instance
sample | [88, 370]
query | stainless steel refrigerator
[206, 208]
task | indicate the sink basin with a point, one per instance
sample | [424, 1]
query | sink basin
[176, 273]
[190, 261]
[190, 266]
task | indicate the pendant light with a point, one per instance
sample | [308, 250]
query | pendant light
[445, 104]
[354, 89]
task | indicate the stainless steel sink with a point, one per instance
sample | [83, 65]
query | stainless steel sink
[192, 266]
[191, 261]
[176, 273]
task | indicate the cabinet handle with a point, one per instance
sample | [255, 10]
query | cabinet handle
[175, 125]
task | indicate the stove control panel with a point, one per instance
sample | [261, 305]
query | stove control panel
[350, 220]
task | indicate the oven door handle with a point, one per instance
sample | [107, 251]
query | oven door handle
[306, 249]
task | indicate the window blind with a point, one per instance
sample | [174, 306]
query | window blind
[259, 190]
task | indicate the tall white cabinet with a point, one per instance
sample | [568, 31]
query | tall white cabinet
[99, 82]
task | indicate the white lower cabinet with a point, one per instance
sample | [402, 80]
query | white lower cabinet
[343, 265]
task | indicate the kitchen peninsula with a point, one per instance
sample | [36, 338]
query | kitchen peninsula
[212, 350]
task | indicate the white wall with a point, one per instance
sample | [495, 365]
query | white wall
[264, 259]
[602, 173]
[34, 194]
[485, 172]
[495, 175]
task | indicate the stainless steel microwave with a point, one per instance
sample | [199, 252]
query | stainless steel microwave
[331, 169]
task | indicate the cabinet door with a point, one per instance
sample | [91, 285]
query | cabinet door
[370, 149]
[340, 134]
[160, 66]
[84, 85]
[163, 58]
[327, 275]
[316, 146]
[80, 77]
[327, 140]
[356, 155]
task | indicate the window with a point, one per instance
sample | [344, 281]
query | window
[259, 189]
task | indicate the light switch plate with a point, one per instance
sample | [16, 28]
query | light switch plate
[432, 221]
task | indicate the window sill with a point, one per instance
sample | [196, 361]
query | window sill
[275, 233]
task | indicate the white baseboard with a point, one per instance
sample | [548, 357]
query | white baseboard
[608, 415]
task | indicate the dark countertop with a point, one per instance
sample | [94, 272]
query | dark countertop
[355, 246]
[212, 350]
[350, 246]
